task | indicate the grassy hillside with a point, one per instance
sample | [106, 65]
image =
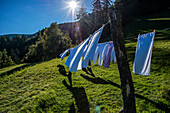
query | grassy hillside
[45, 87]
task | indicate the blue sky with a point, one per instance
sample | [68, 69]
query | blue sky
[29, 16]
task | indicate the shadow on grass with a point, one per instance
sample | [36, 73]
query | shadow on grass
[79, 93]
[80, 97]
[72, 108]
[63, 72]
[144, 25]
[98, 80]
[158, 105]
[88, 71]
[15, 69]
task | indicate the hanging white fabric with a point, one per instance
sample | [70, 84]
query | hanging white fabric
[93, 44]
[74, 60]
[143, 55]
[77, 57]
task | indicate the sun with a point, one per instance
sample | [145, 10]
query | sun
[73, 4]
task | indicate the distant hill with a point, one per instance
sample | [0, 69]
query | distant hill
[14, 35]
[69, 28]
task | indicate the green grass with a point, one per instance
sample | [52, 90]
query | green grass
[2, 70]
[158, 22]
[11, 69]
[45, 87]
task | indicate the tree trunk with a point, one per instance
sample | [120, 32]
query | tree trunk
[122, 62]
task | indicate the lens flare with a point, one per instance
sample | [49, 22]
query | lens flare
[73, 5]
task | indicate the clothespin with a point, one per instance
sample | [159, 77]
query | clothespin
[154, 30]
[139, 34]
[103, 25]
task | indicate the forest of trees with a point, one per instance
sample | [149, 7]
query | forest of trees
[5, 60]
[47, 44]
[50, 42]
[14, 50]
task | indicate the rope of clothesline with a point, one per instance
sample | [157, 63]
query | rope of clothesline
[166, 29]
[100, 28]
[107, 23]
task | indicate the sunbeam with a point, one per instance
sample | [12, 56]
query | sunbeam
[72, 5]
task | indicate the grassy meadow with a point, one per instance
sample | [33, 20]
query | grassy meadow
[47, 87]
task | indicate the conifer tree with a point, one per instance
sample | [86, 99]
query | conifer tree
[19, 37]
[5, 59]
[50, 45]
[106, 5]
[1, 61]
[97, 11]
[81, 13]
[14, 56]
[24, 37]
[97, 5]
[82, 27]
[8, 39]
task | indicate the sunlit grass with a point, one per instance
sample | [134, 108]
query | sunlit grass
[2, 70]
[40, 88]
[159, 19]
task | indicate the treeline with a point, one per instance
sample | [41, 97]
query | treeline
[5, 60]
[51, 42]
[15, 49]
[47, 44]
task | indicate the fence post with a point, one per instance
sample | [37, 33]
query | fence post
[122, 62]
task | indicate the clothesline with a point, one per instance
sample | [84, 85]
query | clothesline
[105, 52]
[166, 29]
[90, 49]
[107, 23]
[85, 50]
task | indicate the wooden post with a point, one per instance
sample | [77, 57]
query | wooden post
[122, 62]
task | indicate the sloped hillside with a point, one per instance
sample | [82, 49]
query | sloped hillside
[45, 87]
